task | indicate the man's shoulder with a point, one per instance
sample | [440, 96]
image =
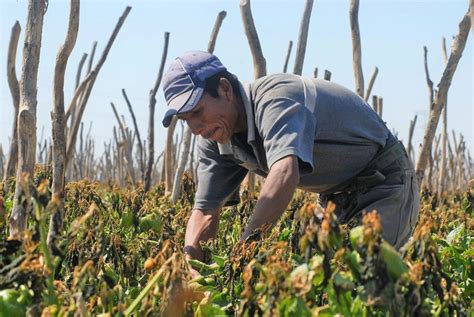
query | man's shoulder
[276, 78]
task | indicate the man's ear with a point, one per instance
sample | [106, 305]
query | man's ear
[225, 89]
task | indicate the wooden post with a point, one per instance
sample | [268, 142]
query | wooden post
[303, 38]
[356, 47]
[27, 113]
[444, 84]
[59, 124]
[151, 117]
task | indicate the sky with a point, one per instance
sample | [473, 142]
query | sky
[393, 34]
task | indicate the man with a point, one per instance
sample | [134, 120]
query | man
[296, 132]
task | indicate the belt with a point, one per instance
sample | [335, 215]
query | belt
[372, 175]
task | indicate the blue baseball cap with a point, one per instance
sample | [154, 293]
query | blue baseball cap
[183, 83]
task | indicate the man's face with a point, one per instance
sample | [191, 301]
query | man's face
[213, 118]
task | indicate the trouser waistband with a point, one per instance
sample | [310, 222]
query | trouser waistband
[376, 171]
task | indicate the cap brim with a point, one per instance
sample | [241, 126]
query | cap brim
[168, 116]
[181, 104]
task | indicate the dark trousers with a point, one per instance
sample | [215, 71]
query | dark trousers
[396, 200]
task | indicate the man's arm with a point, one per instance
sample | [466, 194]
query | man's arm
[202, 226]
[275, 195]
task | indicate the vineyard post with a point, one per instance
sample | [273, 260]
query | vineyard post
[356, 47]
[27, 112]
[302, 38]
[59, 124]
[443, 87]
[186, 136]
[12, 158]
[151, 116]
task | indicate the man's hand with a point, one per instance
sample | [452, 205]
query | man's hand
[275, 195]
[202, 226]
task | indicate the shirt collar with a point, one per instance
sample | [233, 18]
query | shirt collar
[245, 93]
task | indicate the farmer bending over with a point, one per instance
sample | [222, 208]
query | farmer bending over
[296, 132]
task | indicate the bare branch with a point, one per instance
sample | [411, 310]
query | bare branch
[371, 83]
[288, 53]
[215, 31]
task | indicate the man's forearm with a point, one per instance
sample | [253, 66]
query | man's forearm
[202, 226]
[275, 195]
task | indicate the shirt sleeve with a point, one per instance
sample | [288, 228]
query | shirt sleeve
[219, 178]
[287, 127]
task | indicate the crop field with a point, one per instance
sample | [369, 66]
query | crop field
[93, 220]
[122, 255]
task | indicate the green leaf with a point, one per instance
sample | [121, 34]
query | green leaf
[294, 307]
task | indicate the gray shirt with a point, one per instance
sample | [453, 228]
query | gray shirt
[333, 132]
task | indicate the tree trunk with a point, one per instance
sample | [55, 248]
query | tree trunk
[151, 116]
[59, 123]
[441, 97]
[444, 132]
[410, 137]
[259, 62]
[71, 142]
[27, 113]
[12, 158]
[303, 38]
[169, 156]
[137, 132]
[356, 47]
[186, 134]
